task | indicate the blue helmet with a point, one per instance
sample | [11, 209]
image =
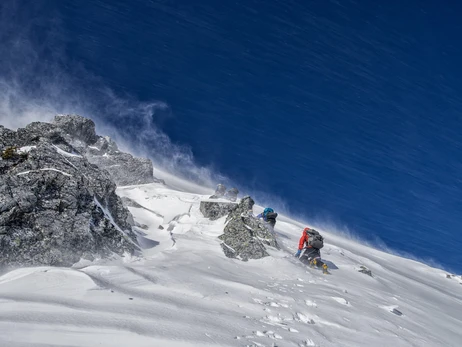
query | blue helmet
[267, 210]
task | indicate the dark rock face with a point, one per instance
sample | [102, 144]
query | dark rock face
[123, 168]
[7, 137]
[245, 237]
[55, 206]
[216, 209]
[365, 270]
[80, 128]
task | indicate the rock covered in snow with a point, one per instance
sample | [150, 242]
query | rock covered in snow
[55, 206]
[245, 237]
[214, 209]
[365, 270]
[123, 168]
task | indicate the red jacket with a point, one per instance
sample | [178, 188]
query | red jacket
[304, 239]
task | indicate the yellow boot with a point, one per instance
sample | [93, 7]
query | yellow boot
[313, 263]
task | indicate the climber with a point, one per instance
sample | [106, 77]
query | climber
[269, 216]
[309, 248]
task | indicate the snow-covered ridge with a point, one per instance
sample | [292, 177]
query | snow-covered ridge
[187, 293]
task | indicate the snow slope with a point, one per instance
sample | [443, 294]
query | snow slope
[185, 292]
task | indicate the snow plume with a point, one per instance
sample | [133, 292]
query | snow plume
[39, 80]
[27, 84]
[134, 127]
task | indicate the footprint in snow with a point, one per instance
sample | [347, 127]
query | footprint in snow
[276, 321]
[274, 318]
[342, 301]
[300, 317]
[269, 303]
[270, 334]
[307, 342]
[310, 303]
[273, 335]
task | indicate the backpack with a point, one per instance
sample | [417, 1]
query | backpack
[315, 239]
[271, 215]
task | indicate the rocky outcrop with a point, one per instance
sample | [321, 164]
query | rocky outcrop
[55, 206]
[78, 128]
[221, 193]
[214, 209]
[245, 237]
[123, 168]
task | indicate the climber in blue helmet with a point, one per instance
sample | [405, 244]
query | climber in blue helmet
[269, 216]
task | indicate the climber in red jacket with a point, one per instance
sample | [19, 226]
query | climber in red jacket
[310, 243]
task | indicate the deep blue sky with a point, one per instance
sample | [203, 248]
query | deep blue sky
[349, 110]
